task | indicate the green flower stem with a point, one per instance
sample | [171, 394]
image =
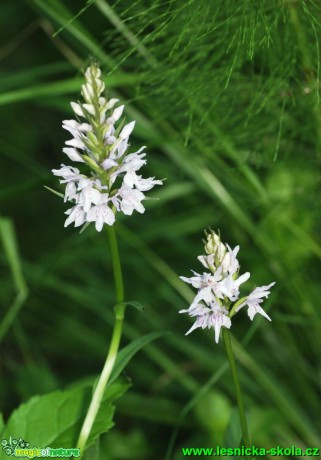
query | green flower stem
[119, 310]
[116, 264]
[239, 397]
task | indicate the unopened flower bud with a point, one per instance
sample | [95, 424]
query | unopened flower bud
[213, 245]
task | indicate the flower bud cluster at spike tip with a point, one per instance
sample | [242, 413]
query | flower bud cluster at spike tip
[108, 181]
[214, 249]
[218, 291]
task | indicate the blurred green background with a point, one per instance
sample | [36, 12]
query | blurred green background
[226, 97]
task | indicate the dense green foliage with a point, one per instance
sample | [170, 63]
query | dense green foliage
[226, 97]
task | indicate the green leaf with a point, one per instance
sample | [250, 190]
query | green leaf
[1, 423]
[10, 245]
[133, 303]
[59, 88]
[125, 355]
[55, 419]
[233, 433]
